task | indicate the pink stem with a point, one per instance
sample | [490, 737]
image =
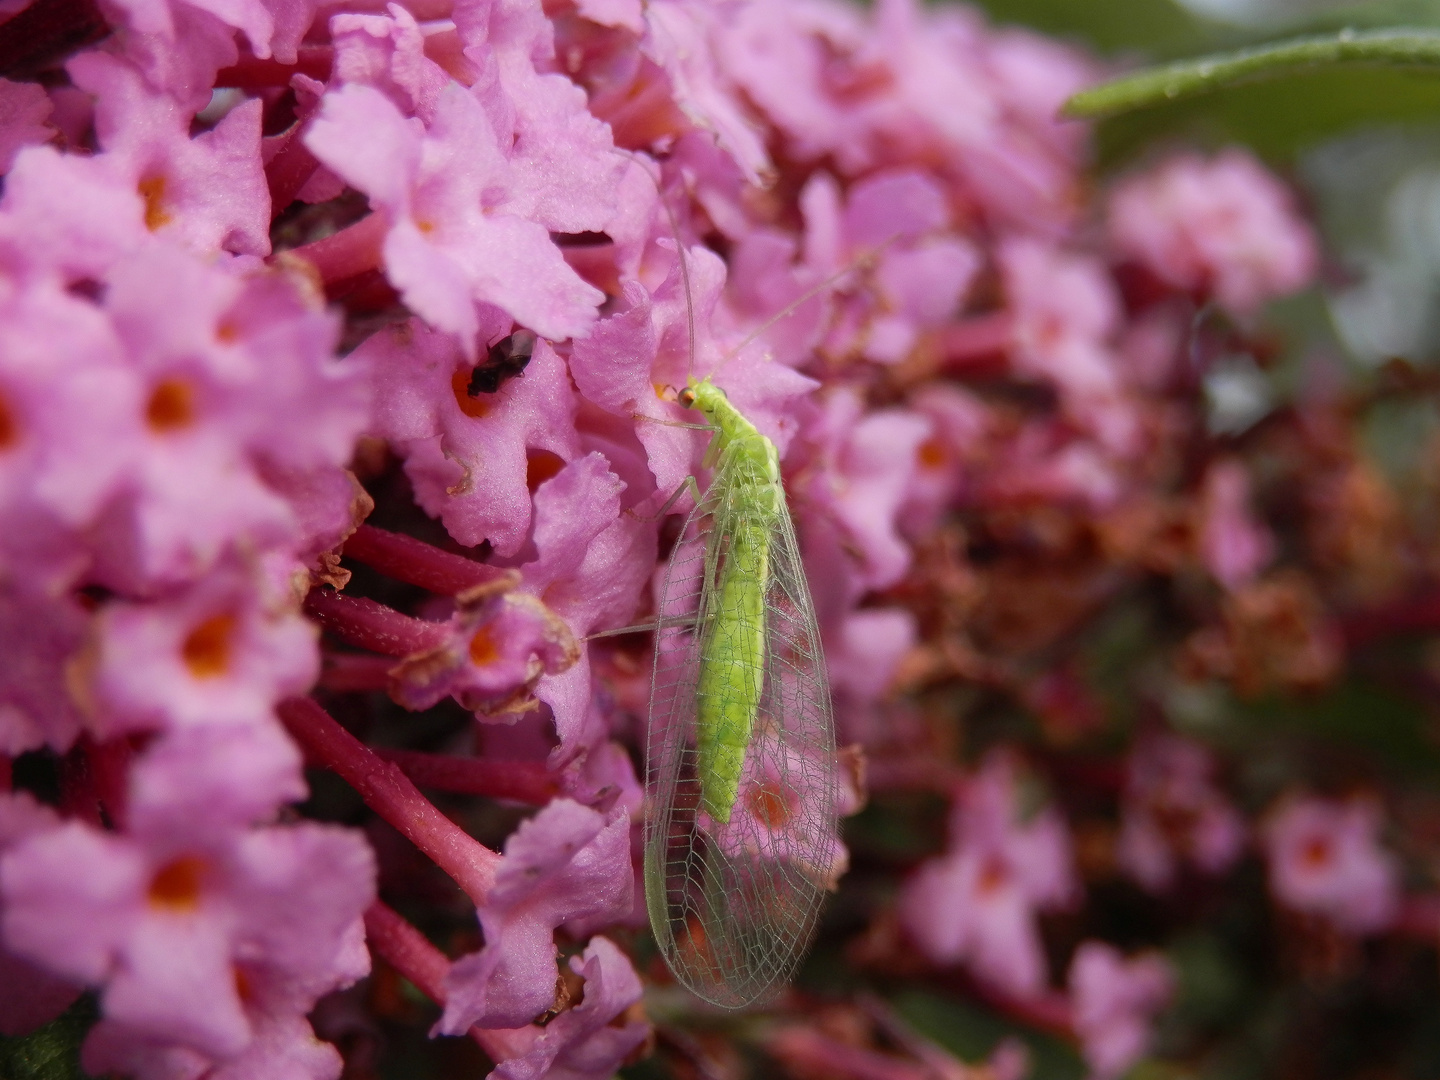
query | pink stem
[292, 165]
[1414, 616]
[110, 768]
[406, 950]
[407, 559]
[1419, 917]
[78, 795]
[370, 625]
[351, 673]
[388, 792]
[963, 343]
[251, 73]
[347, 254]
[809, 1053]
[522, 781]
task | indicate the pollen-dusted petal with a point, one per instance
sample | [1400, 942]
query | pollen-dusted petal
[597, 1036]
[568, 862]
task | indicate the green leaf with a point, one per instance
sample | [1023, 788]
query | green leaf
[1154, 26]
[53, 1051]
[1277, 118]
[972, 1033]
[1413, 47]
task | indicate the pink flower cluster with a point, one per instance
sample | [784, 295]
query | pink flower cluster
[477, 183]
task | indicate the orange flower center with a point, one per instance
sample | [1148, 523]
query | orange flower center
[171, 406]
[1316, 853]
[176, 885]
[152, 190]
[483, 649]
[207, 648]
[470, 406]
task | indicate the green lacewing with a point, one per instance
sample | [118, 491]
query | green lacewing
[741, 828]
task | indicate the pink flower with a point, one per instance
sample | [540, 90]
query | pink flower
[564, 165]
[218, 653]
[1065, 313]
[1174, 812]
[207, 193]
[566, 863]
[24, 108]
[945, 462]
[1114, 1001]
[454, 240]
[227, 364]
[160, 919]
[977, 903]
[1234, 546]
[498, 644]
[67, 214]
[388, 53]
[1325, 860]
[863, 462]
[680, 36]
[29, 995]
[68, 405]
[1224, 227]
[470, 457]
[593, 1039]
[592, 565]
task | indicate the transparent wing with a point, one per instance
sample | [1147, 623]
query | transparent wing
[734, 906]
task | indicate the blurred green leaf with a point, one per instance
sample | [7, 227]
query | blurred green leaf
[1277, 118]
[1212, 984]
[1156, 27]
[53, 1051]
[972, 1033]
[1361, 714]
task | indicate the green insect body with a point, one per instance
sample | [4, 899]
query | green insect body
[732, 662]
[741, 832]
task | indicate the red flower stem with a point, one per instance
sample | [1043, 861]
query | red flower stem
[407, 559]
[347, 254]
[370, 625]
[522, 781]
[46, 32]
[7, 773]
[1409, 617]
[292, 165]
[110, 769]
[1419, 917]
[405, 949]
[351, 673]
[78, 796]
[969, 341]
[388, 792]
[807, 1052]
[251, 73]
